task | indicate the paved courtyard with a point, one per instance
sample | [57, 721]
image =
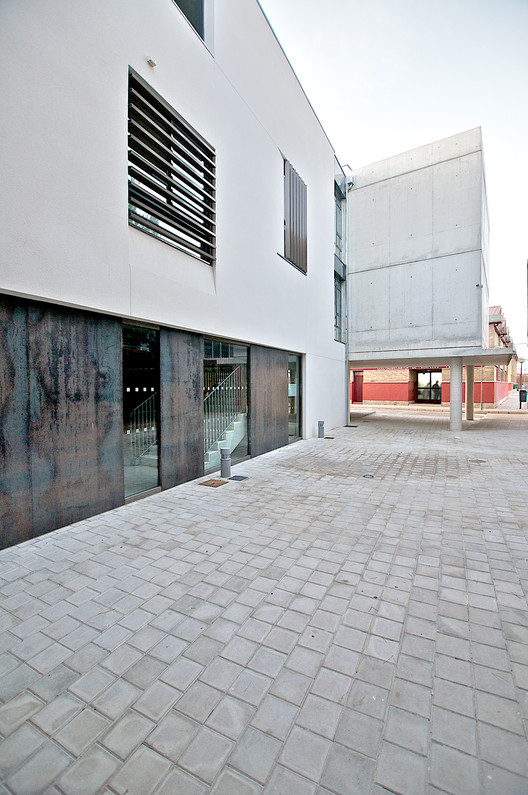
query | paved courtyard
[350, 618]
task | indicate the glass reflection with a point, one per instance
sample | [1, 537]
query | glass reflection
[294, 397]
[140, 408]
[225, 401]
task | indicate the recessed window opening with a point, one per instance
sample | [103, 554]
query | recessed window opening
[339, 315]
[339, 265]
[194, 11]
[295, 218]
[171, 175]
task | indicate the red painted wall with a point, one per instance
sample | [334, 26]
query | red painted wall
[446, 392]
[398, 391]
[405, 392]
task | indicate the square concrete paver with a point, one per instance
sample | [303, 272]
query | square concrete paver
[305, 630]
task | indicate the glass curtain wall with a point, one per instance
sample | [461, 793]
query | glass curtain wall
[294, 397]
[225, 401]
[140, 408]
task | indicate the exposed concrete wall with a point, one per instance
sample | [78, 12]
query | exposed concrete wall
[417, 259]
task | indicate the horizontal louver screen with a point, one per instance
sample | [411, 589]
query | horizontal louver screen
[295, 218]
[171, 175]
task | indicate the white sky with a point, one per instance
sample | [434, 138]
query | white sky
[386, 76]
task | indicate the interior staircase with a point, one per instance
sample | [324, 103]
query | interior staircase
[231, 438]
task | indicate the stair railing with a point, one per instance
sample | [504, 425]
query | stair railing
[221, 407]
[143, 429]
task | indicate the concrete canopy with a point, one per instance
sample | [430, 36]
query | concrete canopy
[437, 358]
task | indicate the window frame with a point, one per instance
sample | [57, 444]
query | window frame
[339, 307]
[339, 265]
[200, 26]
[295, 218]
[171, 175]
[339, 220]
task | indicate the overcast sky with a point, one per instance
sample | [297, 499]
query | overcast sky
[385, 76]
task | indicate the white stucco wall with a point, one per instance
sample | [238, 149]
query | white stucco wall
[64, 227]
[417, 236]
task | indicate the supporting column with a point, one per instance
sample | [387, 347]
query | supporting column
[347, 396]
[455, 400]
[470, 391]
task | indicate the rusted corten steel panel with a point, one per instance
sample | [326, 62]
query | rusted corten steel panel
[268, 399]
[181, 401]
[16, 503]
[76, 423]
[69, 388]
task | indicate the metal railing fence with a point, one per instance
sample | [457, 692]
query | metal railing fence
[221, 407]
[143, 429]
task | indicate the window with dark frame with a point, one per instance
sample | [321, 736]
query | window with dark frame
[295, 218]
[194, 11]
[171, 175]
[339, 294]
[339, 205]
[339, 265]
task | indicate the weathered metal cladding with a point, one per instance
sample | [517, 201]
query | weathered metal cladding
[62, 421]
[181, 399]
[16, 503]
[268, 399]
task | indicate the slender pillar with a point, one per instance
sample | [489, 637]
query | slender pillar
[470, 391]
[455, 400]
[347, 396]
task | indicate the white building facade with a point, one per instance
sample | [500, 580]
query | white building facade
[168, 252]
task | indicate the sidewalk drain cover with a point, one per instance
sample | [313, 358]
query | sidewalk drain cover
[370, 477]
[213, 483]
[238, 477]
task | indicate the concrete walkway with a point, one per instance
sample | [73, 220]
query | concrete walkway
[351, 618]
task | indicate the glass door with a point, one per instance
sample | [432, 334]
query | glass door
[429, 388]
[140, 408]
[294, 397]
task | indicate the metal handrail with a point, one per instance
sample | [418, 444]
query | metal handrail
[221, 407]
[143, 428]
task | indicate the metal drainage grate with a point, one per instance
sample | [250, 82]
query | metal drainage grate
[238, 477]
[213, 483]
